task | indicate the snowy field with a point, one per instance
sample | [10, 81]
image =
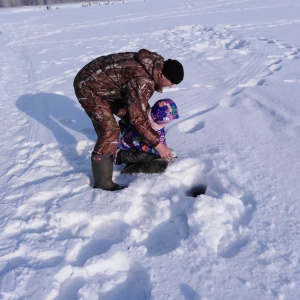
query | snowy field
[238, 134]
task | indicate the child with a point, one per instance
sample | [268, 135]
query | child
[132, 147]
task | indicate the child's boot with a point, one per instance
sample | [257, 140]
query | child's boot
[157, 165]
[132, 156]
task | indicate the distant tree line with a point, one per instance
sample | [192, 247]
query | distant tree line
[13, 3]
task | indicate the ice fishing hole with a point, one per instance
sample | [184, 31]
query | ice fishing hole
[197, 190]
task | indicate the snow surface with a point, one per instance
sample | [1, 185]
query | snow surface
[238, 134]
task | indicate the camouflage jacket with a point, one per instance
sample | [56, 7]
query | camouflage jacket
[127, 80]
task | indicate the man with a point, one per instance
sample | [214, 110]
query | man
[121, 84]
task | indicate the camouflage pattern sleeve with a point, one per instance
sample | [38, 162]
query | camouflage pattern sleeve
[137, 93]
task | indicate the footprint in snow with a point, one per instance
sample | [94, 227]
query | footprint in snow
[191, 126]
[167, 236]
[137, 285]
[102, 240]
[67, 121]
[77, 282]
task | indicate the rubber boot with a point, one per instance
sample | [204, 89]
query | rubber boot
[135, 156]
[102, 167]
[157, 165]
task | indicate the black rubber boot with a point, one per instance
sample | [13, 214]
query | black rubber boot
[135, 156]
[102, 167]
[157, 165]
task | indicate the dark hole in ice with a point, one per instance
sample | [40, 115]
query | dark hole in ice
[197, 190]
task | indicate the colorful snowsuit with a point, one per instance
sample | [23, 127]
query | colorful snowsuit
[131, 139]
[164, 110]
[119, 84]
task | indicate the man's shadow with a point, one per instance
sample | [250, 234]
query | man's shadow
[60, 116]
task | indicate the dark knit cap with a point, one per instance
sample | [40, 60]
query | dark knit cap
[173, 70]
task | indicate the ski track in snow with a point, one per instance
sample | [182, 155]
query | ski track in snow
[56, 222]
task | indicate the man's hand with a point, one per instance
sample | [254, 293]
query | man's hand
[164, 151]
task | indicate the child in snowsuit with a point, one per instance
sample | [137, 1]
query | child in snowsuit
[132, 146]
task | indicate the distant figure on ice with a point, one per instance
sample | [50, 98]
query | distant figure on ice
[121, 84]
[134, 152]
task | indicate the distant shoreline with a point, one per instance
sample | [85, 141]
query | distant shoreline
[48, 3]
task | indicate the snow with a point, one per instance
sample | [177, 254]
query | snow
[238, 134]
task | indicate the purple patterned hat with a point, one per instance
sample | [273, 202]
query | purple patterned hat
[164, 110]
